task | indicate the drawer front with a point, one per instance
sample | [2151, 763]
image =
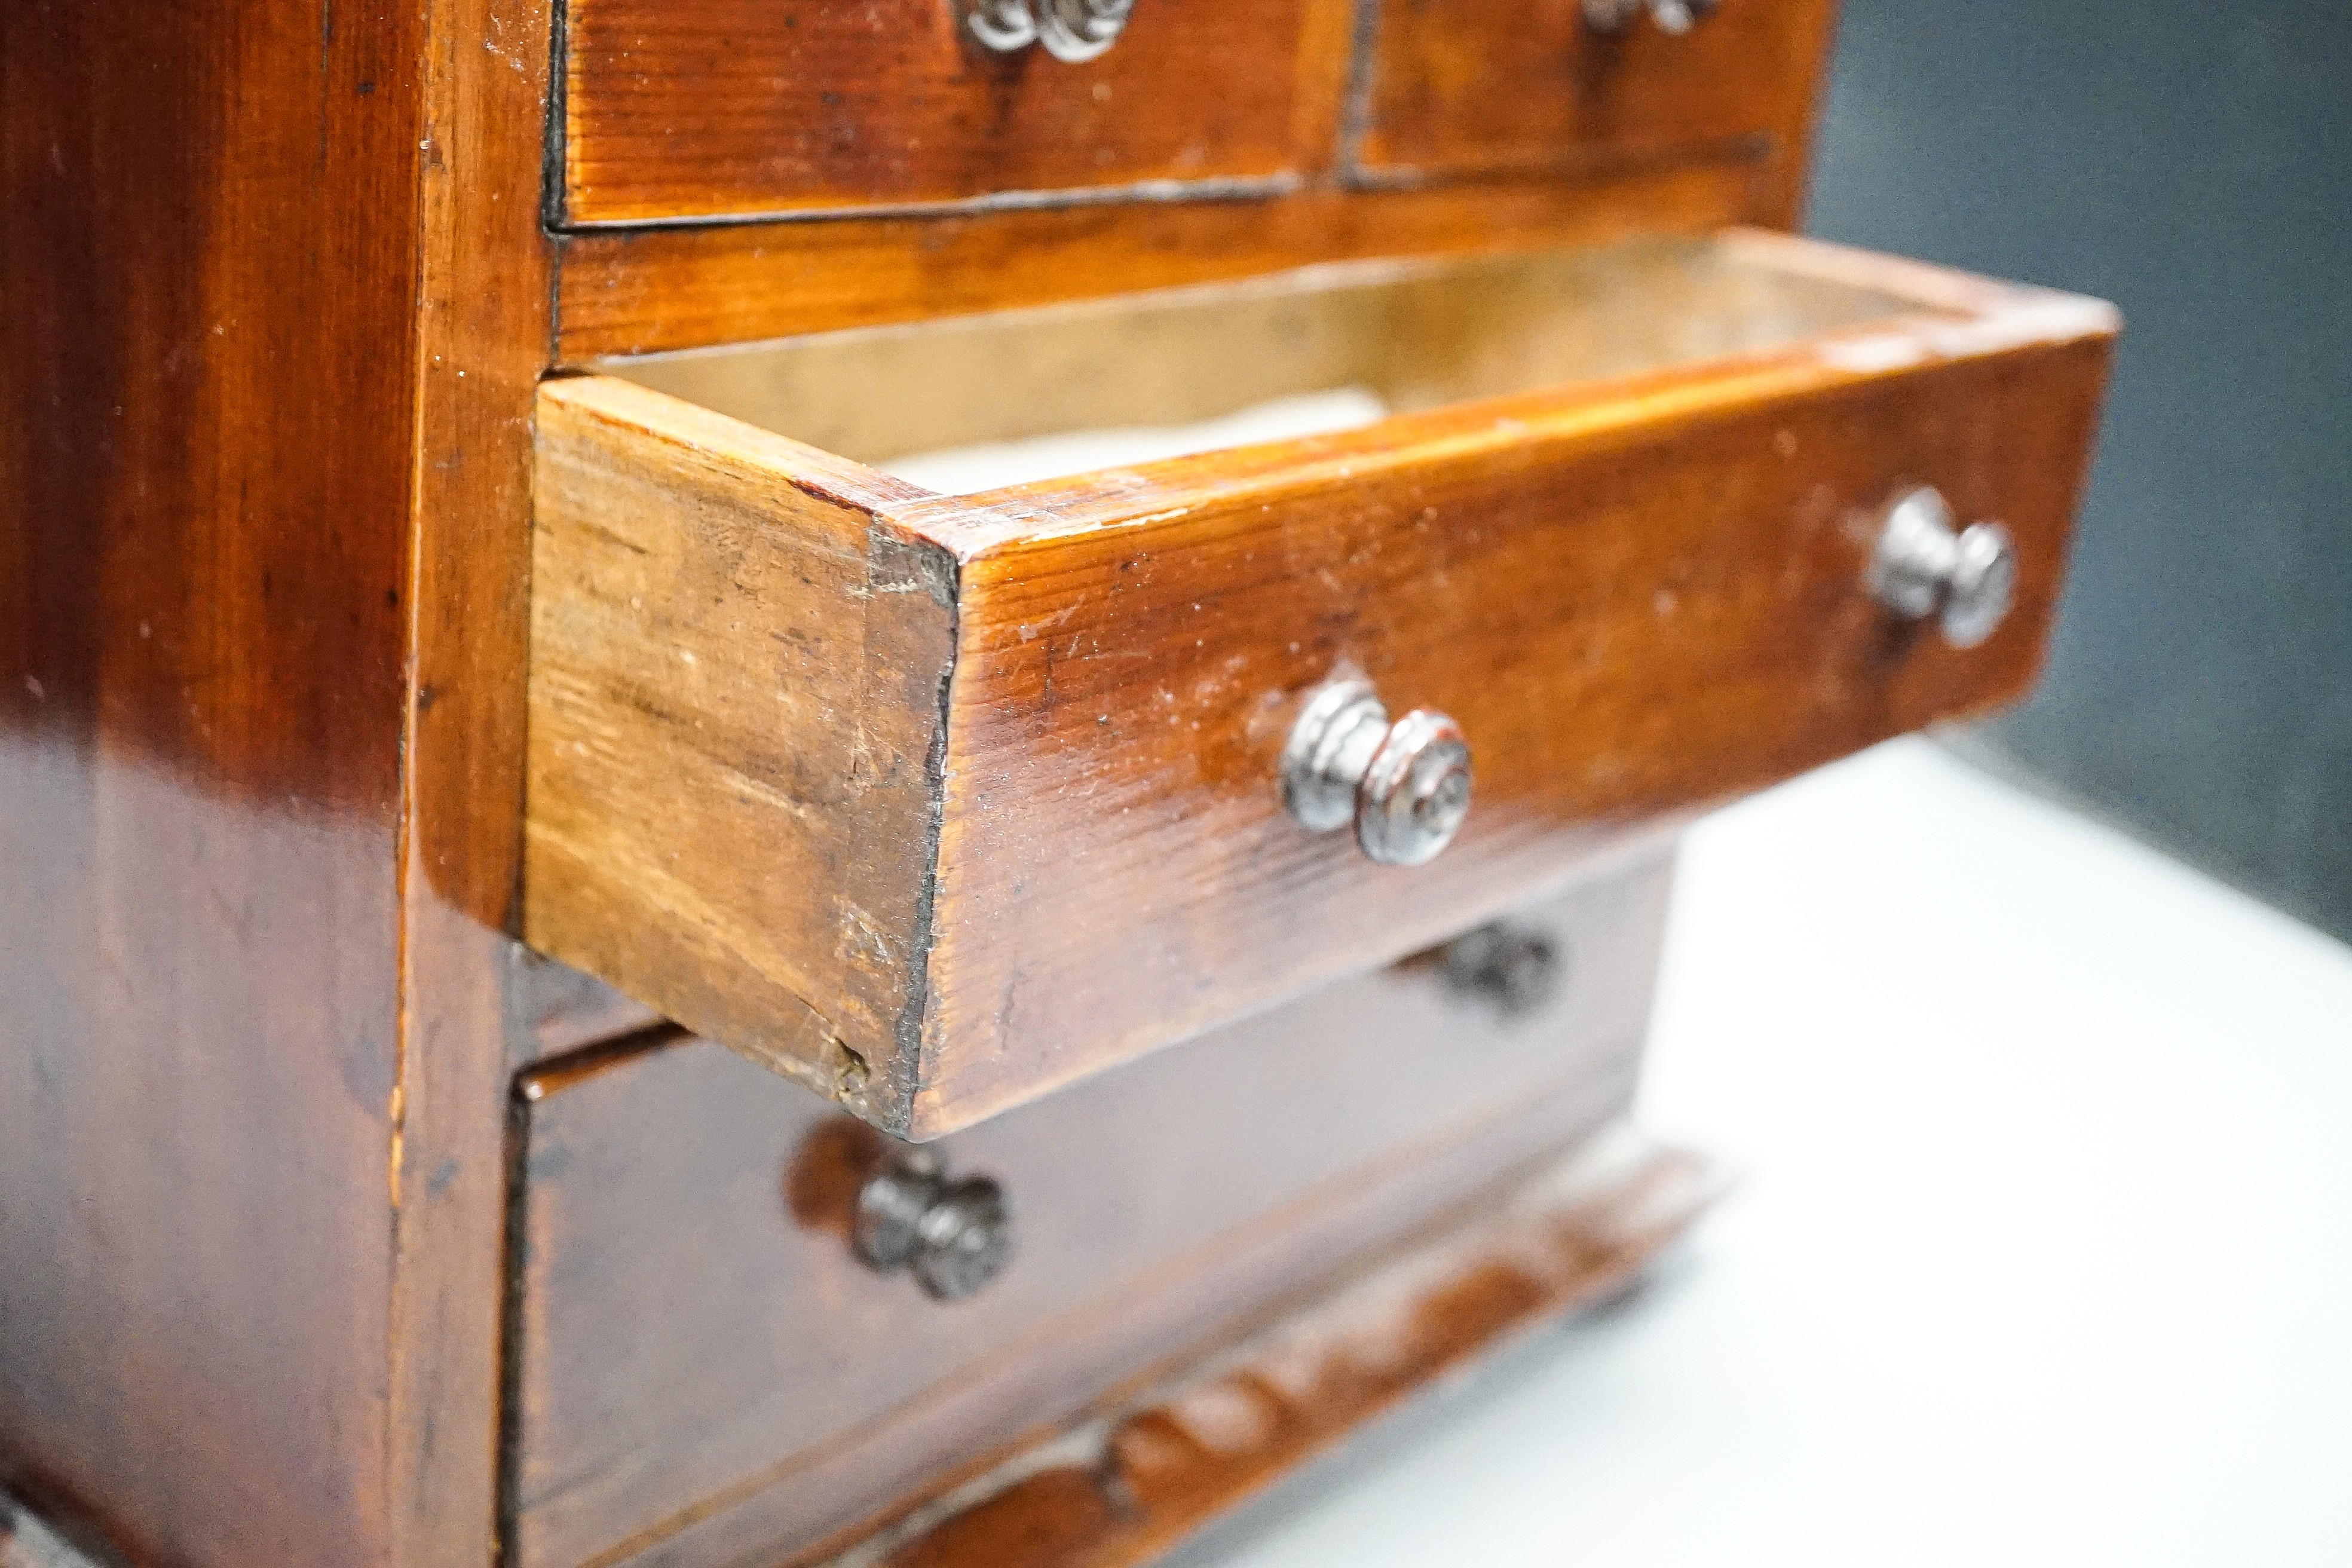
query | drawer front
[1462, 87]
[940, 802]
[700, 108]
[703, 1370]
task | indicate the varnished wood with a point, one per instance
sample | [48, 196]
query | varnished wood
[266, 523]
[643, 293]
[481, 330]
[278, 298]
[703, 108]
[209, 266]
[690, 1293]
[1132, 1484]
[1113, 867]
[1479, 88]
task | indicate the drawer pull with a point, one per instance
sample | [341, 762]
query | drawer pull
[1923, 567]
[1406, 785]
[1514, 970]
[1673, 16]
[953, 1235]
[1072, 31]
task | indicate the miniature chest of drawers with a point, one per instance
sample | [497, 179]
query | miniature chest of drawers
[604, 968]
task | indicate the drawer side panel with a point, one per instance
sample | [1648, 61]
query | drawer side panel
[736, 691]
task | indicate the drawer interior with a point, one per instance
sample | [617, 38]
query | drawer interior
[1342, 344]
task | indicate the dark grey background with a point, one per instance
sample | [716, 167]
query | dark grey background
[2191, 162]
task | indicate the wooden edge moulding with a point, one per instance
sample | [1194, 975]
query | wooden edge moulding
[1156, 1463]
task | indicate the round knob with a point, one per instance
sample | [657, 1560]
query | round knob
[1075, 31]
[1922, 566]
[1072, 30]
[1406, 785]
[1513, 969]
[1672, 16]
[963, 1240]
[954, 1236]
[1002, 25]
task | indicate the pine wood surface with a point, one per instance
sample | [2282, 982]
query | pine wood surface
[805, 829]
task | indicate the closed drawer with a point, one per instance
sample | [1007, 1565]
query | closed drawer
[1462, 87]
[705, 1373]
[702, 108]
[939, 802]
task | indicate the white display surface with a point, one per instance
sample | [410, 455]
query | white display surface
[2042, 1251]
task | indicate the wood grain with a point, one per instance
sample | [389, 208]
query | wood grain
[278, 297]
[1641, 594]
[480, 328]
[630, 292]
[263, 554]
[690, 1293]
[737, 690]
[210, 266]
[1478, 88]
[702, 108]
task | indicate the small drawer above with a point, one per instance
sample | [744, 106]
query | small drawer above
[683, 110]
[940, 801]
[1484, 87]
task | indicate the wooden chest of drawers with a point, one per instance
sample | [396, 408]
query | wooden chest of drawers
[463, 634]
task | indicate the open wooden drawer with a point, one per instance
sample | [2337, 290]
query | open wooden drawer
[939, 802]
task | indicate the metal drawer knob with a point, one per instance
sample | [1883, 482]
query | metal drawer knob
[953, 1235]
[1673, 16]
[1513, 969]
[1923, 567]
[1406, 785]
[1074, 31]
